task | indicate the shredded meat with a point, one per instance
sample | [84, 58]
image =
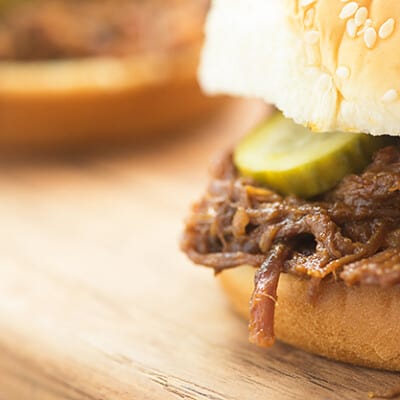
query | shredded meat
[58, 29]
[381, 269]
[262, 305]
[351, 233]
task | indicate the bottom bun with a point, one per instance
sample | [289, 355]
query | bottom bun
[357, 325]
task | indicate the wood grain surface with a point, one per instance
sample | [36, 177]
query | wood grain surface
[97, 303]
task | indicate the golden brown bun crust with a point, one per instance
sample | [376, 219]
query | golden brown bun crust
[73, 102]
[358, 325]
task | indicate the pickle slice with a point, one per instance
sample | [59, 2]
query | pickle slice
[293, 160]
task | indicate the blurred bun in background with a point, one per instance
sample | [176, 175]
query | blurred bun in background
[75, 71]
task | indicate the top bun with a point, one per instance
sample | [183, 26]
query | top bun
[328, 64]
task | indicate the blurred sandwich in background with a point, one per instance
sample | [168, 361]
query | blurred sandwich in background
[77, 71]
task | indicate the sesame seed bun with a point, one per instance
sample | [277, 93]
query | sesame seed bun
[358, 325]
[95, 100]
[331, 65]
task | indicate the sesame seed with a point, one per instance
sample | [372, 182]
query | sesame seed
[351, 28]
[343, 72]
[390, 96]
[348, 10]
[309, 17]
[367, 24]
[361, 16]
[370, 37]
[386, 29]
[312, 37]
[306, 3]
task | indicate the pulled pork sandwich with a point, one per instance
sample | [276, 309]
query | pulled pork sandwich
[301, 221]
[77, 69]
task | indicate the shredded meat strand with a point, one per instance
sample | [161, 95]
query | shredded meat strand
[381, 269]
[351, 233]
[262, 305]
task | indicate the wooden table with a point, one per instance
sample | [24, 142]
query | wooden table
[96, 301]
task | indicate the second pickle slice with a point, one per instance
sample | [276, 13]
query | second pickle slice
[295, 161]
